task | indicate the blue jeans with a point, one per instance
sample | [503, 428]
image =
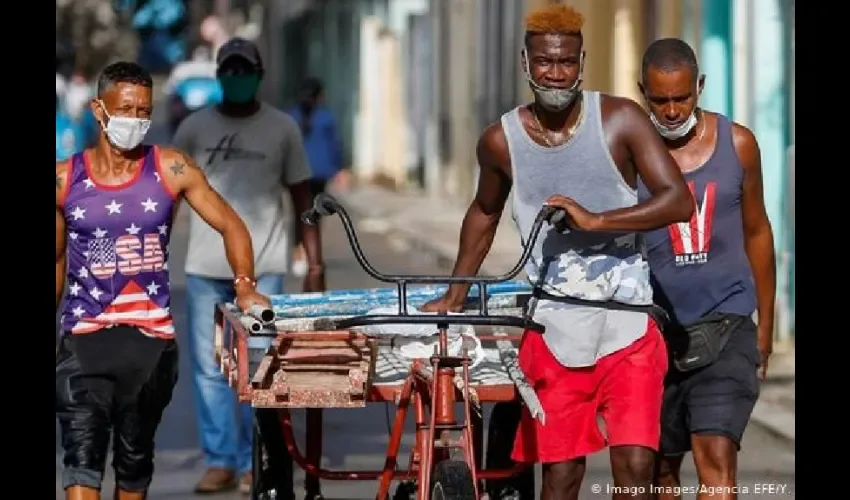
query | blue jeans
[226, 427]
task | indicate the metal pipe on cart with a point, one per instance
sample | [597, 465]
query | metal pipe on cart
[251, 323]
[526, 392]
[263, 314]
[257, 318]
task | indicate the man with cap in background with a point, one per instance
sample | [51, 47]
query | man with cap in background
[250, 152]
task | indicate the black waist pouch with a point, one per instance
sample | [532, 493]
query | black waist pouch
[699, 344]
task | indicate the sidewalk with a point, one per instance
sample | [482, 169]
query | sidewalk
[432, 227]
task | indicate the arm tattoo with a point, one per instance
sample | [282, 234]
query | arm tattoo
[177, 168]
[58, 182]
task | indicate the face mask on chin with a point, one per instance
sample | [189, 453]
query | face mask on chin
[124, 132]
[672, 134]
[239, 89]
[553, 99]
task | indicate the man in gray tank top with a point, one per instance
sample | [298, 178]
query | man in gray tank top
[601, 354]
[710, 273]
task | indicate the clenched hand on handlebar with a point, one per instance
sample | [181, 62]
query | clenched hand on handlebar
[574, 216]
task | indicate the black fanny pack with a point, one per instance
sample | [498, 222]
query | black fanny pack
[699, 344]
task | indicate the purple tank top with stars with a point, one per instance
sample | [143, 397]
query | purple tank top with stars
[117, 250]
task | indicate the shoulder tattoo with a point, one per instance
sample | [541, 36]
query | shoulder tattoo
[177, 168]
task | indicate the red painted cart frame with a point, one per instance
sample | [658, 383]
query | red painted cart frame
[431, 397]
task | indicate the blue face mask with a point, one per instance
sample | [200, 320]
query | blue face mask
[239, 89]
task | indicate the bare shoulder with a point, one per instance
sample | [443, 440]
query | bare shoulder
[175, 161]
[63, 168]
[746, 146]
[743, 137]
[621, 108]
[63, 171]
[493, 147]
[177, 168]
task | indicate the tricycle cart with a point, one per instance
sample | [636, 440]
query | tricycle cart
[318, 359]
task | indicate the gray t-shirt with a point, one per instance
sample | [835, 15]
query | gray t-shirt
[249, 161]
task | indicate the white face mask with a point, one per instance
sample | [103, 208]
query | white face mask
[672, 134]
[125, 133]
[553, 99]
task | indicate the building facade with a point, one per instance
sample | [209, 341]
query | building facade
[414, 82]
[746, 50]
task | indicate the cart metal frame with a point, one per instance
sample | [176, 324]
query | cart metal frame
[446, 455]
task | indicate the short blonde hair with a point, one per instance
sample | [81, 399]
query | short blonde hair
[554, 18]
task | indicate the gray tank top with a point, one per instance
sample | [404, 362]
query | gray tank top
[595, 267]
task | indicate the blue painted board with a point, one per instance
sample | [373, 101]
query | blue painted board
[432, 291]
[361, 301]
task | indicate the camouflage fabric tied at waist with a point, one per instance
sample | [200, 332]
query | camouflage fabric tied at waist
[594, 278]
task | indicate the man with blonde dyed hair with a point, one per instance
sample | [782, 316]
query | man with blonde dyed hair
[602, 353]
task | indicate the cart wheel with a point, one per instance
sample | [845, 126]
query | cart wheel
[452, 480]
[259, 491]
[504, 421]
[271, 464]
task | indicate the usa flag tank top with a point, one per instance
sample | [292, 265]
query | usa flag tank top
[117, 250]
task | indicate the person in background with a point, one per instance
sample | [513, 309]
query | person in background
[78, 94]
[89, 128]
[324, 150]
[252, 154]
[69, 135]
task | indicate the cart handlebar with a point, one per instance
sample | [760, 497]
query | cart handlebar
[325, 205]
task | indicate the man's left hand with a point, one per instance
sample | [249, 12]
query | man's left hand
[765, 343]
[247, 297]
[314, 280]
[578, 217]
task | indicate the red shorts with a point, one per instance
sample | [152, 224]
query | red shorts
[625, 388]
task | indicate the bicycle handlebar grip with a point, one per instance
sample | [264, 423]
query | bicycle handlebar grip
[559, 220]
[557, 217]
[323, 206]
[310, 217]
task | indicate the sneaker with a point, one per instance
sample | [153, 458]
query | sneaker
[216, 480]
[246, 482]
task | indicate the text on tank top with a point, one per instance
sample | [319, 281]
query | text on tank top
[700, 266]
[117, 250]
[590, 266]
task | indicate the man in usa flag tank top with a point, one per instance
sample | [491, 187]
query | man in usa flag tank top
[116, 363]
